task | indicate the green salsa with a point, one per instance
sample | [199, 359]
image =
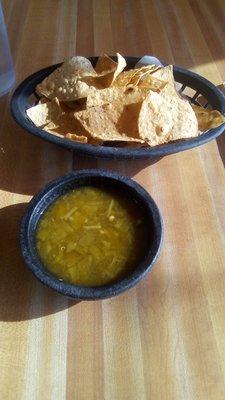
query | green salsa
[91, 236]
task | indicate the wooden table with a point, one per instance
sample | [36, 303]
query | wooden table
[164, 339]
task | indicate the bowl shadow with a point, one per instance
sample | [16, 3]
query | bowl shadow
[24, 157]
[18, 150]
[22, 297]
[128, 168]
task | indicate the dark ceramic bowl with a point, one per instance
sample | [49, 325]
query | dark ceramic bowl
[200, 87]
[99, 178]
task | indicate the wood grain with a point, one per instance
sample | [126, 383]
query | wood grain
[164, 339]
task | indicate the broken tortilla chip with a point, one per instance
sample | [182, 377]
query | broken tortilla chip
[124, 78]
[42, 114]
[133, 76]
[106, 79]
[77, 138]
[149, 82]
[66, 124]
[104, 64]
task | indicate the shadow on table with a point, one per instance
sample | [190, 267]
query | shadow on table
[25, 161]
[22, 297]
[127, 167]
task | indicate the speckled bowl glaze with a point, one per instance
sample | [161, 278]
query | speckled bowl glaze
[200, 86]
[102, 179]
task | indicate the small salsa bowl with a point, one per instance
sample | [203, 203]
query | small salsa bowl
[103, 179]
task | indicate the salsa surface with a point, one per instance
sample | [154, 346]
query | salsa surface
[91, 236]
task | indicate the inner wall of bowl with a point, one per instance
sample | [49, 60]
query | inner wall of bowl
[99, 182]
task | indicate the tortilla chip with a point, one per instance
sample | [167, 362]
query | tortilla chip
[66, 124]
[106, 79]
[124, 78]
[133, 76]
[77, 138]
[141, 74]
[82, 89]
[71, 136]
[105, 63]
[128, 120]
[116, 137]
[104, 96]
[121, 64]
[151, 83]
[42, 114]
[207, 119]
[166, 74]
[116, 95]
[134, 95]
[164, 118]
[60, 83]
[80, 64]
[111, 122]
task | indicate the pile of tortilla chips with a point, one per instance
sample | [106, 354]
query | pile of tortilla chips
[110, 105]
